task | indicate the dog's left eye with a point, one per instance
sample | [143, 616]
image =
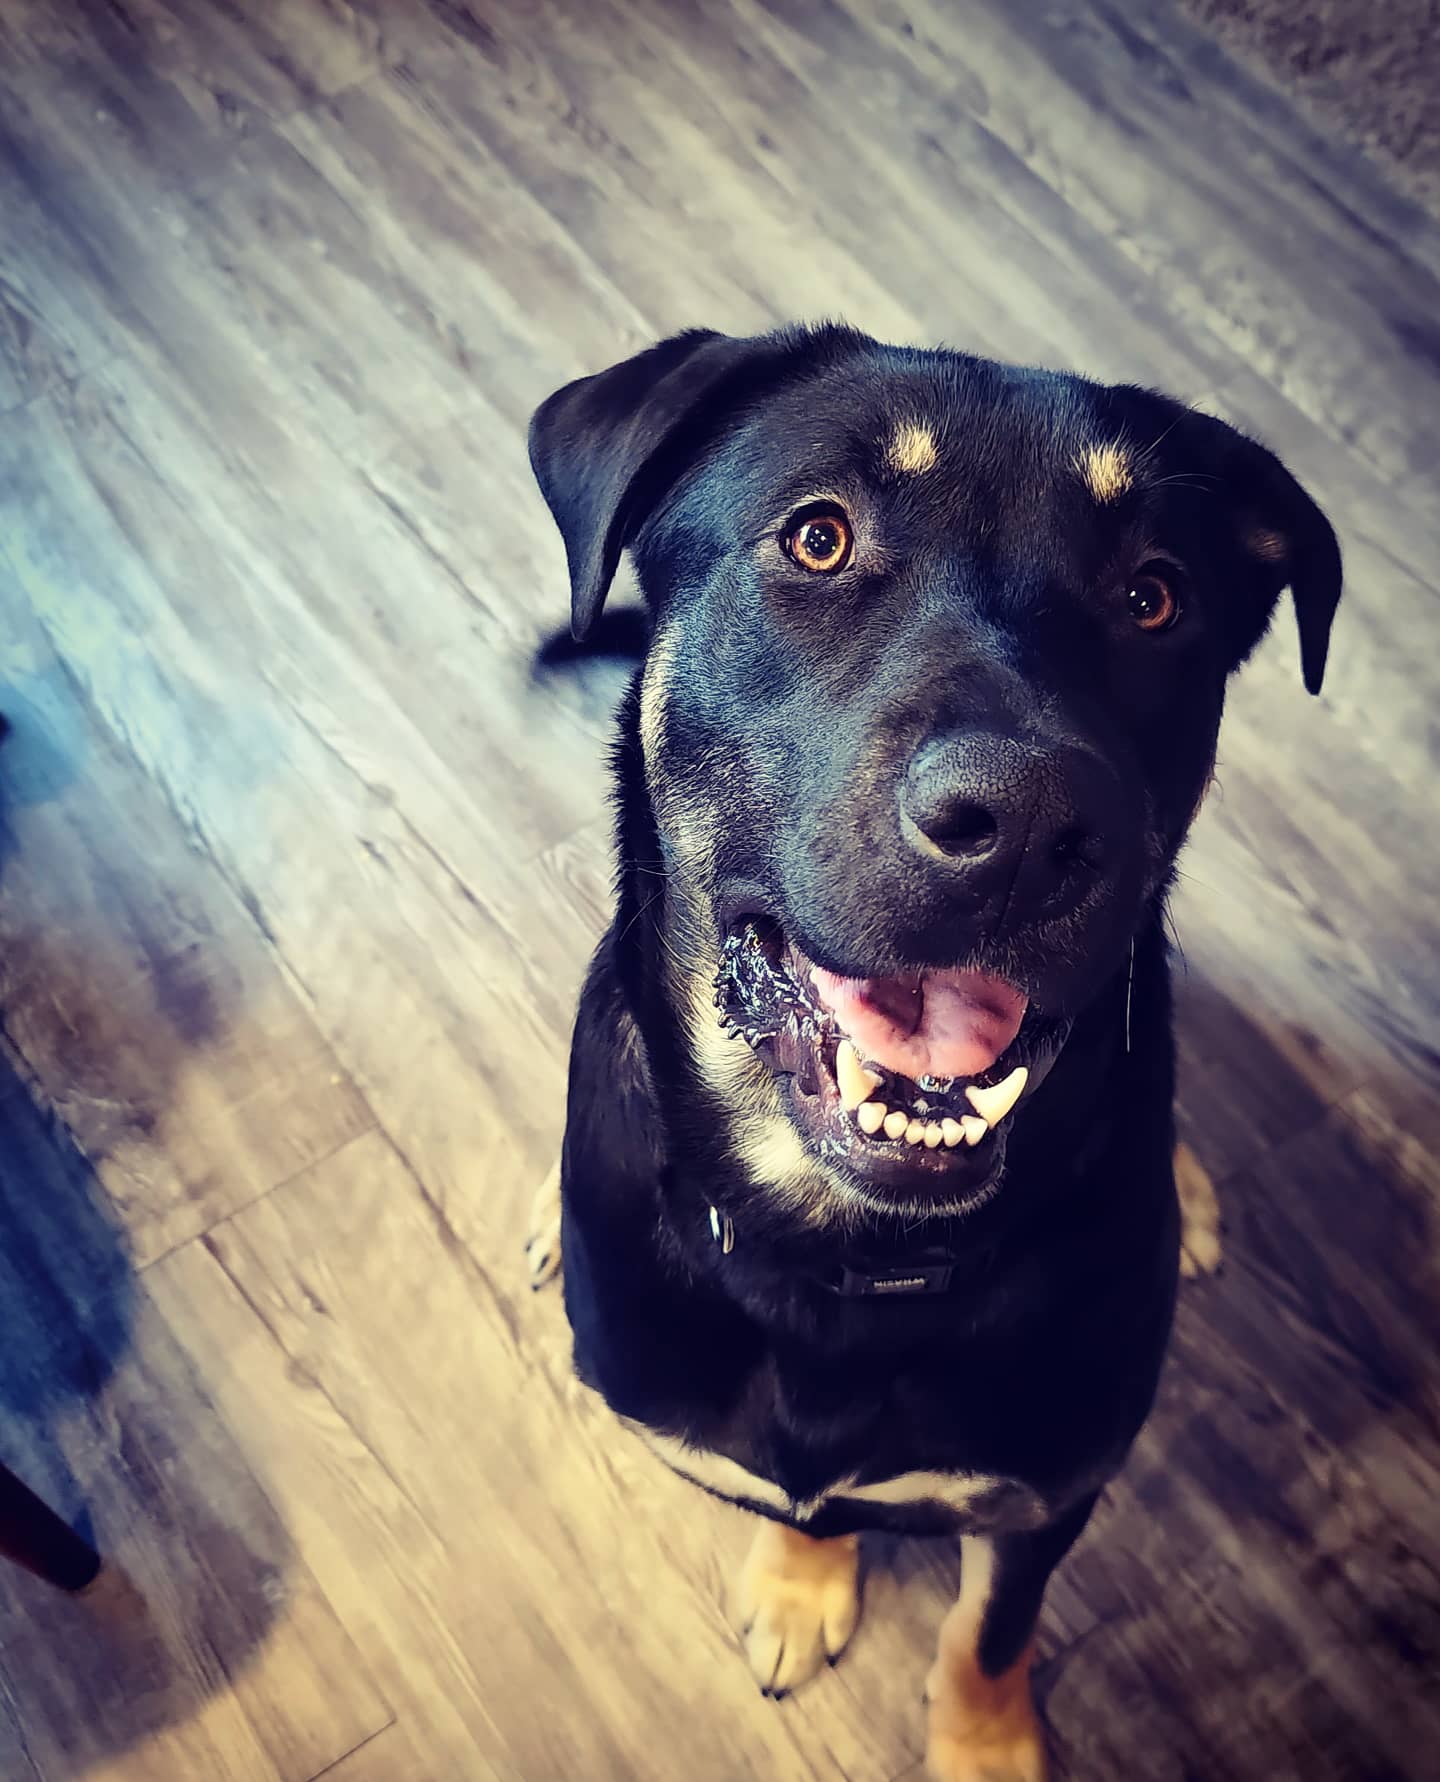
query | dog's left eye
[1151, 600]
[818, 539]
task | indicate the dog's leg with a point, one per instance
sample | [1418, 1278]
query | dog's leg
[983, 1725]
[1199, 1216]
[542, 1247]
[799, 1602]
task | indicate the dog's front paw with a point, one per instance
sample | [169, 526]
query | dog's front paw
[799, 1601]
[955, 1760]
[1200, 1251]
[542, 1247]
[978, 1737]
[982, 1728]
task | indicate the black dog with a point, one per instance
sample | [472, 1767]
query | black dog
[869, 1215]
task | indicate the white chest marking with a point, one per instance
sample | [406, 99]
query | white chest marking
[717, 1472]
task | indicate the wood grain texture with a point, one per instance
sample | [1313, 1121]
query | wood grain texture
[301, 863]
[174, 1049]
[205, 1646]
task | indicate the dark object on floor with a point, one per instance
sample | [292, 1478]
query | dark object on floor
[32, 1535]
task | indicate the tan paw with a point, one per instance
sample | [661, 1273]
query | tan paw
[1200, 1251]
[983, 1740]
[953, 1760]
[542, 1247]
[982, 1729]
[799, 1600]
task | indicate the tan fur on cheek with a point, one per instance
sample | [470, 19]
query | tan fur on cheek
[687, 827]
[760, 1132]
[912, 449]
[655, 695]
[1106, 470]
[767, 1143]
[758, 1128]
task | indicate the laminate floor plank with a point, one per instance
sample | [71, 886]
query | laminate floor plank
[548, 1645]
[1206, 212]
[154, 1020]
[205, 1648]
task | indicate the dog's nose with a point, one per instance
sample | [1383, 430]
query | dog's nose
[1020, 825]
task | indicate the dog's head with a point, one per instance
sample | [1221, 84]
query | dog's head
[940, 649]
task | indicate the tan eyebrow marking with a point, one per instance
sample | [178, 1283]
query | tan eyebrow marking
[1106, 470]
[1272, 547]
[912, 449]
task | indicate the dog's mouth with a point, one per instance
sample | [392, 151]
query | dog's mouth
[905, 1082]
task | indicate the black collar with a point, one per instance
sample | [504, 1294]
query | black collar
[927, 1271]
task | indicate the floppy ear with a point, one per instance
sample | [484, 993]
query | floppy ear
[606, 448]
[1285, 536]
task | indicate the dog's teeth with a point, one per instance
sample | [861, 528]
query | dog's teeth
[952, 1132]
[914, 1132]
[870, 1116]
[994, 1103]
[973, 1127]
[855, 1081]
[896, 1124]
[934, 1132]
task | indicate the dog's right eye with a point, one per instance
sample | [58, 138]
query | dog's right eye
[1151, 599]
[818, 539]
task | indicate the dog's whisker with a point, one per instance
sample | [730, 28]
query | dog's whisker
[1169, 921]
[645, 907]
[1162, 436]
[1186, 480]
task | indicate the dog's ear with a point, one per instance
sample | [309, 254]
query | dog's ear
[1285, 532]
[606, 448]
[1284, 537]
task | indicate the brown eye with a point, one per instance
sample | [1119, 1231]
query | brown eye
[819, 541]
[1151, 600]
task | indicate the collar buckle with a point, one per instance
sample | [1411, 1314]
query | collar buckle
[722, 1230]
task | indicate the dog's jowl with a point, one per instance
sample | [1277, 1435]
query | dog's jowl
[869, 1209]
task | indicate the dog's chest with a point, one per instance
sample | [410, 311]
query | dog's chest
[968, 1497]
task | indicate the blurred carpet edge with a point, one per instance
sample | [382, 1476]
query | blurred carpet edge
[1367, 70]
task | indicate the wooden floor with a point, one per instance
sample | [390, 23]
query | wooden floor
[300, 867]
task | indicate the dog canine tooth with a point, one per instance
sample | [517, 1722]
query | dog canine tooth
[855, 1081]
[914, 1132]
[870, 1116]
[994, 1103]
[934, 1132]
[896, 1124]
[951, 1131]
[973, 1127]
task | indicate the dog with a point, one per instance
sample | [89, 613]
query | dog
[868, 1200]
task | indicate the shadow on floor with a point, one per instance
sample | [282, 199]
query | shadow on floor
[1270, 1541]
[101, 1414]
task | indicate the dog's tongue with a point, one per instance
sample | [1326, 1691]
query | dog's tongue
[934, 1024]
